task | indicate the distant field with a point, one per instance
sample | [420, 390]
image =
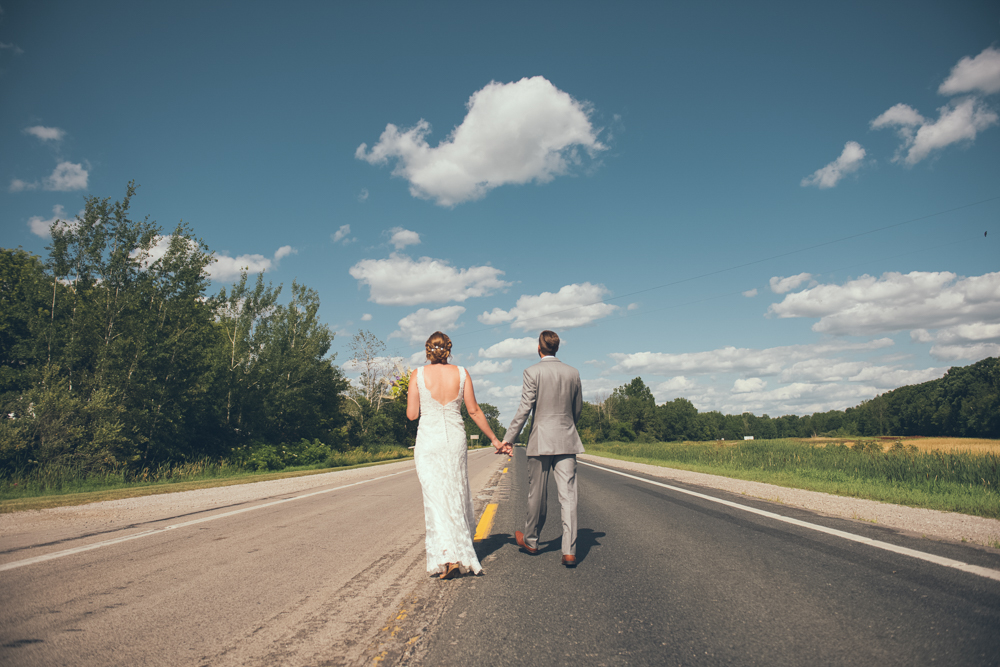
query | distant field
[972, 445]
[949, 474]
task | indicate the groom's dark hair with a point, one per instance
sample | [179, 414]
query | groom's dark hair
[548, 342]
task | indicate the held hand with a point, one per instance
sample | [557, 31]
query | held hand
[499, 446]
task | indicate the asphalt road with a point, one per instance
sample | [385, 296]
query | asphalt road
[308, 581]
[665, 578]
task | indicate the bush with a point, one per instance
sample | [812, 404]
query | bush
[868, 447]
[899, 447]
[51, 425]
[265, 457]
[313, 452]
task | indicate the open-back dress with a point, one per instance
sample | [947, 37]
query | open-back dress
[441, 456]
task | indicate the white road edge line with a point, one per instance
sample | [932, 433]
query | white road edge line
[118, 540]
[878, 544]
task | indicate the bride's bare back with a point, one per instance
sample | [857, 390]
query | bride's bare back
[442, 380]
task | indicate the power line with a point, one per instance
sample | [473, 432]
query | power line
[740, 266]
[746, 264]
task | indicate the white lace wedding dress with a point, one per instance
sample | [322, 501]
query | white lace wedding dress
[441, 456]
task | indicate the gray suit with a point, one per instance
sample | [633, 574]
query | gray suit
[552, 391]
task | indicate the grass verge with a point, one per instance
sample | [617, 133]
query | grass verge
[948, 481]
[40, 498]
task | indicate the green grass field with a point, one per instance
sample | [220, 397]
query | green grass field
[954, 481]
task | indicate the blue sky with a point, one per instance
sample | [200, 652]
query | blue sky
[777, 208]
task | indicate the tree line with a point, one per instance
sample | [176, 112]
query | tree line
[963, 403]
[113, 354]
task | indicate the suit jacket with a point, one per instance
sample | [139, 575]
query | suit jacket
[551, 390]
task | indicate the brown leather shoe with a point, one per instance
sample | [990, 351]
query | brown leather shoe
[519, 538]
[569, 560]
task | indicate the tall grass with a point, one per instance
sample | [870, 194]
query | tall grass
[57, 479]
[953, 481]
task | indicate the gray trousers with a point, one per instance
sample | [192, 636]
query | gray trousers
[564, 468]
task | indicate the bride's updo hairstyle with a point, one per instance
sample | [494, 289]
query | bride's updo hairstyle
[438, 348]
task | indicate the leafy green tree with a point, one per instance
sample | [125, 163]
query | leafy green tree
[124, 339]
[23, 305]
[243, 321]
[492, 414]
[302, 386]
[372, 389]
[633, 405]
[677, 420]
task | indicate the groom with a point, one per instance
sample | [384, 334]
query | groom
[552, 392]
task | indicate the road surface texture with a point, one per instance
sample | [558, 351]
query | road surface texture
[287, 579]
[329, 570]
[668, 578]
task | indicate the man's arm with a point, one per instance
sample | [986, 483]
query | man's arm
[578, 400]
[529, 392]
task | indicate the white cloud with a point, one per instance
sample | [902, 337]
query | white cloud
[66, 176]
[9, 46]
[888, 377]
[17, 185]
[850, 160]
[633, 306]
[959, 122]
[748, 385]
[971, 352]
[351, 367]
[416, 327]
[226, 268]
[750, 293]
[363, 195]
[962, 341]
[508, 392]
[675, 387]
[400, 238]
[596, 390]
[898, 115]
[367, 317]
[342, 235]
[781, 285]
[517, 348]
[513, 133]
[489, 367]
[400, 281]
[45, 133]
[418, 358]
[572, 306]
[896, 302]
[796, 398]
[40, 226]
[977, 331]
[981, 73]
[821, 369]
[748, 361]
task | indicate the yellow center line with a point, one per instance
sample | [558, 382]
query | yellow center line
[505, 469]
[485, 523]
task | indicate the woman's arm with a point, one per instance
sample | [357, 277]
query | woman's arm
[477, 414]
[412, 397]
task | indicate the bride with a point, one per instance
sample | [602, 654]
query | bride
[435, 394]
